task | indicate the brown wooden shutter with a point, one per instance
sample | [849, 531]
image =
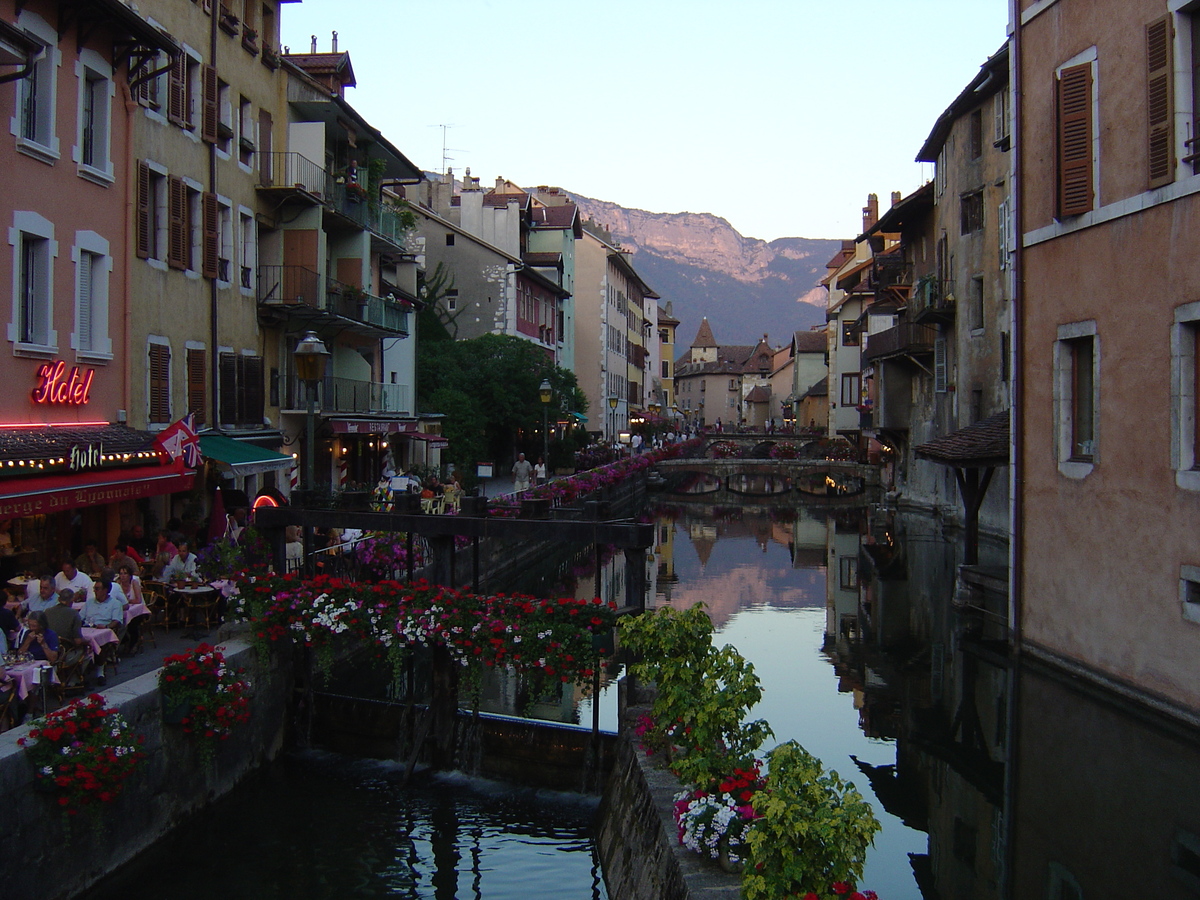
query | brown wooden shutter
[197, 396]
[178, 251]
[208, 122]
[1160, 102]
[1075, 195]
[160, 383]
[253, 390]
[145, 217]
[212, 236]
[177, 99]
[228, 389]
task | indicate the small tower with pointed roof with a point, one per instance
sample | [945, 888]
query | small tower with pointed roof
[704, 347]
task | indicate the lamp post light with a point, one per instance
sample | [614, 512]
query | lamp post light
[612, 404]
[311, 357]
[545, 391]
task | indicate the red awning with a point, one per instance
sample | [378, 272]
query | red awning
[57, 493]
[435, 441]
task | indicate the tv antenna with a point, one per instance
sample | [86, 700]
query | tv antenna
[446, 158]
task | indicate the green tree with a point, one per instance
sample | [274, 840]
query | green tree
[488, 387]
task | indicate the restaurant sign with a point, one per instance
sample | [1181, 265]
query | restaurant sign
[86, 456]
[56, 386]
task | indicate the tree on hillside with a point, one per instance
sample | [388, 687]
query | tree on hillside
[487, 389]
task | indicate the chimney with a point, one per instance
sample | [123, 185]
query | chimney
[871, 212]
[335, 42]
[314, 44]
[895, 197]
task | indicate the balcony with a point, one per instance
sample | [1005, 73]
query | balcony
[932, 301]
[906, 339]
[301, 294]
[292, 173]
[347, 395]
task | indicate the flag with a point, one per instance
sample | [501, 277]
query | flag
[179, 440]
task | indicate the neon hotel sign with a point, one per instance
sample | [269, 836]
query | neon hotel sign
[55, 386]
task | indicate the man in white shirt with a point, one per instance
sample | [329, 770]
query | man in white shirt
[103, 610]
[70, 578]
[182, 566]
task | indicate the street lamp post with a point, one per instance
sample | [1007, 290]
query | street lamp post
[546, 392]
[612, 404]
[311, 357]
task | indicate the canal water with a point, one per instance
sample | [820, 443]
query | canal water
[988, 783]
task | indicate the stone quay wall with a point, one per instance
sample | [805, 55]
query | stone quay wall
[49, 855]
[638, 842]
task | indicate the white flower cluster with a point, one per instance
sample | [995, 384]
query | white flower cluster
[704, 820]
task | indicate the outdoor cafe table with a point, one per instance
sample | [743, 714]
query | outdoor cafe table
[26, 676]
[188, 595]
[97, 638]
[132, 611]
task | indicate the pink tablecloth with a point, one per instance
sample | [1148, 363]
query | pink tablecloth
[98, 637]
[131, 611]
[26, 675]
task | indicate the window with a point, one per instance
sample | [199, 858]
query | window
[246, 142]
[247, 235]
[224, 118]
[1077, 369]
[977, 311]
[224, 241]
[158, 374]
[33, 122]
[975, 137]
[449, 238]
[1185, 391]
[1002, 237]
[851, 388]
[151, 212]
[34, 286]
[940, 366]
[241, 396]
[849, 333]
[1160, 103]
[1005, 352]
[1075, 140]
[1000, 117]
[210, 96]
[181, 84]
[1193, 144]
[95, 107]
[666, 373]
[149, 90]
[971, 211]
[732, 385]
[179, 224]
[848, 573]
[211, 239]
[452, 299]
[197, 378]
[93, 265]
[939, 172]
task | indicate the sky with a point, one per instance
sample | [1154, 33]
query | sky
[777, 115]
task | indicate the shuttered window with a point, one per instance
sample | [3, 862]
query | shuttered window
[211, 114]
[160, 383]
[939, 365]
[197, 397]
[179, 249]
[145, 212]
[87, 302]
[178, 106]
[212, 236]
[1160, 103]
[1075, 165]
[242, 390]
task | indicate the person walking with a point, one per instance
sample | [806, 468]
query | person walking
[539, 471]
[522, 471]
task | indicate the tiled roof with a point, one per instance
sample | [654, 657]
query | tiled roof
[820, 389]
[555, 216]
[42, 442]
[704, 336]
[502, 200]
[811, 342]
[759, 394]
[541, 259]
[983, 444]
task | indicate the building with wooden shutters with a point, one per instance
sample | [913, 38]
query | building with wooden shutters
[1107, 561]
[204, 127]
[70, 464]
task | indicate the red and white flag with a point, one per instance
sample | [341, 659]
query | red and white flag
[180, 440]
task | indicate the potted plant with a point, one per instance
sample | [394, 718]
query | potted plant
[203, 694]
[83, 753]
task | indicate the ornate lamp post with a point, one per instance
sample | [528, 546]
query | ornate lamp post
[545, 391]
[612, 404]
[311, 357]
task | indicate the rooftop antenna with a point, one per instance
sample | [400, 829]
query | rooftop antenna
[446, 159]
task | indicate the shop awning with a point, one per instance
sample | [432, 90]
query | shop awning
[579, 417]
[58, 493]
[368, 426]
[240, 457]
[434, 441]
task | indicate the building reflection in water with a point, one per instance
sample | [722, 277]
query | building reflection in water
[1101, 799]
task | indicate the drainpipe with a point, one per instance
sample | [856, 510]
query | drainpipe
[131, 108]
[214, 366]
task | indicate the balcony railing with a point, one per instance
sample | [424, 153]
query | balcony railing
[907, 338]
[299, 286]
[932, 300]
[347, 395]
[292, 170]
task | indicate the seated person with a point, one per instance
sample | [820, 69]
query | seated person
[91, 561]
[65, 622]
[293, 548]
[104, 610]
[71, 577]
[43, 596]
[122, 554]
[37, 640]
[115, 588]
[182, 566]
[9, 626]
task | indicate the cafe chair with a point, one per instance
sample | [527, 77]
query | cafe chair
[155, 596]
[203, 608]
[70, 669]
[8, 712]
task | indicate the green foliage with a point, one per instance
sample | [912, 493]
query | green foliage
[501, 375]
[466, 441]
[812, 830]
[703, 693]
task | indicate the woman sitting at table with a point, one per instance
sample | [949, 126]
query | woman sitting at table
[104, 610]
[130, 583]
[37, 640]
